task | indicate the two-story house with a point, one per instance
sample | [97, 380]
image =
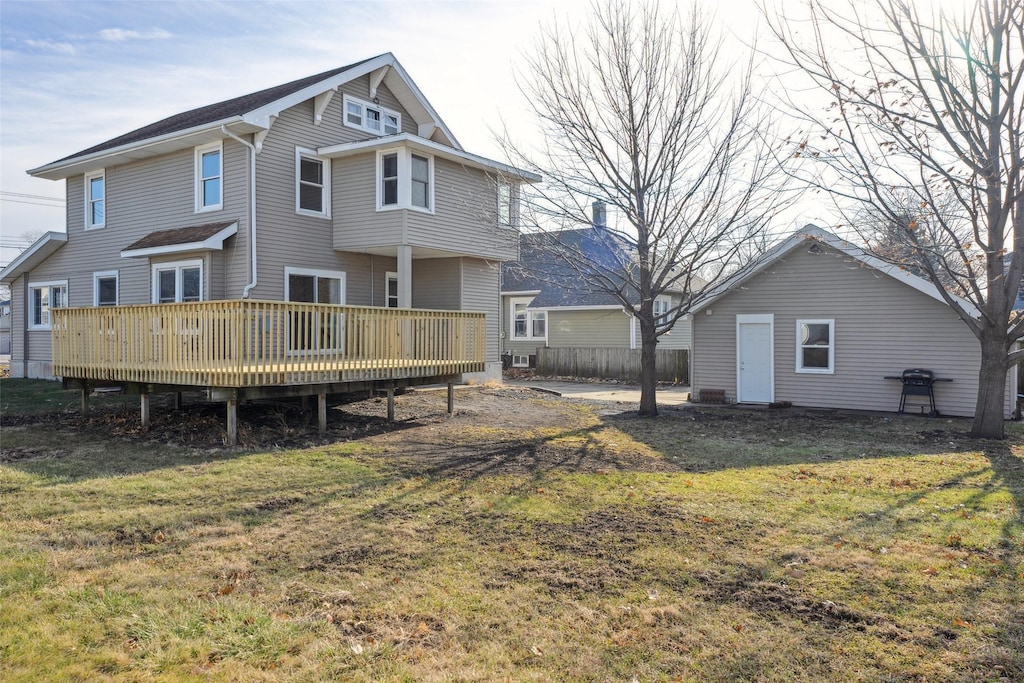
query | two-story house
[341, 188]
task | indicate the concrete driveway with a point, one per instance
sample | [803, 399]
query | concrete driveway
[601, 391]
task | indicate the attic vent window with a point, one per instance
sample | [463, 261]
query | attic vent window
[370, 117]
[814, 249]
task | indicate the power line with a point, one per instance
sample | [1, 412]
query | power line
[31, 196]
[25, 201]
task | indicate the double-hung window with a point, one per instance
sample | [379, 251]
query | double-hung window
[312, 184]
[815, 346]
[95, 200]
[371, 117]
[391, 292]
[44, 297]
[209, 177]
[405, 180]
[178, 282]
[528, 323]
[104, 288]
[662, 304]
[504, 204]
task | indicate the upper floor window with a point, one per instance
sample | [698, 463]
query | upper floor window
[178, 282]
[815, 346]
[312, 183]
[95, 200]
[43, 297]
[405, 180]
[504, 203]
[371, 117]
[528, 323]
[662, 305]
[209, 177]
[104, 288]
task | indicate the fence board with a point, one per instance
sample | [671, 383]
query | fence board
[603, 363]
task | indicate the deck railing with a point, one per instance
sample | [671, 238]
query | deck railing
[237, 343]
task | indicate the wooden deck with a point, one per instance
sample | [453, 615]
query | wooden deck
[263, 343]
[239, 350]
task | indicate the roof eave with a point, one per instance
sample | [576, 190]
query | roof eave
[40, 250]
[214, 242]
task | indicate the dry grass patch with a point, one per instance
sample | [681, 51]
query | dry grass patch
[701, 546]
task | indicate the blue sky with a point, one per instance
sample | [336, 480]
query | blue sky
[73, 74]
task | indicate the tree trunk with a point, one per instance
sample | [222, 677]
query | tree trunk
[648, 372]
[989, 414]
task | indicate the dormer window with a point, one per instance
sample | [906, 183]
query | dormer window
[209, 177]
[95, 200]
[371, 117]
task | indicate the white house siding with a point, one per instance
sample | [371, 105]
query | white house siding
[882, 327]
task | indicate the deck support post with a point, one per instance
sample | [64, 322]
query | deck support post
[144, 409]
[451, 398]
[321, 411]
[85, 399]
[232, 422]
[391, 404]
[178, 403]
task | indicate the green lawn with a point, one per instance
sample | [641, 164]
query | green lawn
[525, 539]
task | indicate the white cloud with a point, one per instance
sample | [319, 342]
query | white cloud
[116, 35]
[51, 46]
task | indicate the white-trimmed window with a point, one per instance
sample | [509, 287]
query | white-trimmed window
[314, 286]
[527, 323]
[520, 361]
[505, 218]
[405, 180]
[95, 200]
[815, 345]
[209, 177]
[178, 281]
[104, 288]
[391, 290]
[371, 117]
[312, 183]
[43, 297]
[662, 305]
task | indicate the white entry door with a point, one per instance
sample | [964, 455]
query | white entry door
[755, 375]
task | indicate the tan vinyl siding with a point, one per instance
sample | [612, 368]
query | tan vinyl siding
[602, 328]
[882, 327]
[679, 337]
[480, 292]
[437, 283]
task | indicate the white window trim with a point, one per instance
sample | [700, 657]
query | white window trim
[364, 105]
[96, 285]
[524, 363]
[505, 188]
[178, 265]
[404, 180]
[667, 301]
[32, 301]
[314, 272]
[303, 153]
[529, 320]
[388, 277]
[831, 369]
[199, 152]
[89, 177]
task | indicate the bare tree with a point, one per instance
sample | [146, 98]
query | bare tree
[642, 110]
[930, 107]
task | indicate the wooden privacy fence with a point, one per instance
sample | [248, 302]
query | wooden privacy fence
[238, 343]
[622, 364]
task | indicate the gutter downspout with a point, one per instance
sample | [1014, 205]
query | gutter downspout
[252, 208]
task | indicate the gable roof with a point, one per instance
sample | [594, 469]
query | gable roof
[541, 267]
[246, 114]
[40, 250]
[813, 232]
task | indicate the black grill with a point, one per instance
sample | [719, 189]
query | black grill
[918, 382]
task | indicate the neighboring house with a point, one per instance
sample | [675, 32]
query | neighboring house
[818, 322]
[546, 303]
[341, 188]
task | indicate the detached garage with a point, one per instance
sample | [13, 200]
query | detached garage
[817, 322]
